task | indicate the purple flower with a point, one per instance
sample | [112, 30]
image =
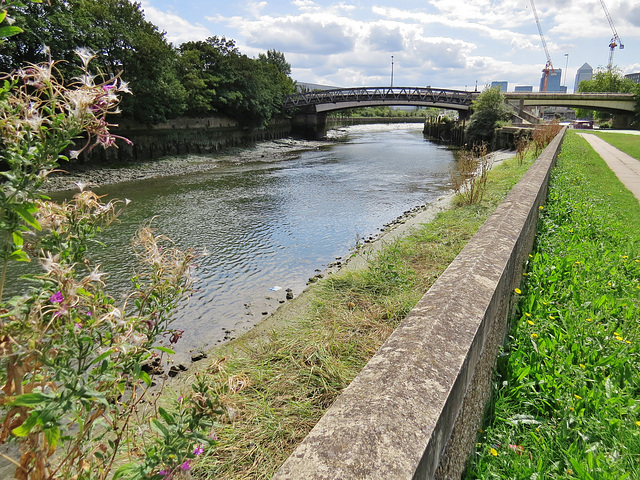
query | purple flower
[77, 327]
[198, 450]
[56, 298]
[185, 466]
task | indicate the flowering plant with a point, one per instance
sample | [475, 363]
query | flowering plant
[76, 395]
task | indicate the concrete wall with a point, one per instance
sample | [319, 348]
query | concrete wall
[183, 135]
[414, 410]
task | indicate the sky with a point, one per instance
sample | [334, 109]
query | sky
[454, 44]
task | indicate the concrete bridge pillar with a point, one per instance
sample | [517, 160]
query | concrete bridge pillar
[622, 121]
[312, 126]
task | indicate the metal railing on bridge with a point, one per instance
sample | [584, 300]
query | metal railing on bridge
[388, 95]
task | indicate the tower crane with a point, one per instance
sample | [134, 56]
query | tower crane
[548, 68]
[615, 40]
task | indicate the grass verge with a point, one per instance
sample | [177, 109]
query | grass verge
[274, 389]
[566, 401]
[627, 142]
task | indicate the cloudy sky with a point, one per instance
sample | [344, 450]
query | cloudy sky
[442, 43]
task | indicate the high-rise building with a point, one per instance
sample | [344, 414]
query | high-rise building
[555, 78]
[585, 72]
[501, 85]
[635, 77]
[523, 88]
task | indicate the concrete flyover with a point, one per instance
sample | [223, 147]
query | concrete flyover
[621, 105]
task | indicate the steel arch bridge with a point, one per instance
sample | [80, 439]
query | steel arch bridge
[343, 98]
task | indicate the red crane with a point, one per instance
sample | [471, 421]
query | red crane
[548, 68]
[615, 40]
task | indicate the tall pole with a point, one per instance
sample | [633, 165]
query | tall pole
[391, 71]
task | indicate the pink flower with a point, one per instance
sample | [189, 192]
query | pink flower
[56, 298]
[185, 466]
[198, 450]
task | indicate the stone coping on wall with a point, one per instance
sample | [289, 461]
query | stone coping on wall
[414, 410]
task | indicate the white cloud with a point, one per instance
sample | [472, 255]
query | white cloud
[178, 29]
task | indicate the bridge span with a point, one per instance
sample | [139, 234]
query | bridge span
[312, 107]
[343, 98]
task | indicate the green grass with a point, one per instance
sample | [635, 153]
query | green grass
[567, 399]
[628, 143]
[275, 390]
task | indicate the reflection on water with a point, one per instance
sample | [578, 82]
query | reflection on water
[265, 226]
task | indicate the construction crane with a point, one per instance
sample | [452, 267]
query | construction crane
[615, 40]
[548, 68]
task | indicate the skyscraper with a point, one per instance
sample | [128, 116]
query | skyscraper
[585, 72]
[555, 78]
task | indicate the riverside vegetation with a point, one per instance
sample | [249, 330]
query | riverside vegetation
[75, 395]
[566, 392]
[274, 388]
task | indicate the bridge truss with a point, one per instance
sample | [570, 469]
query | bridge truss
[325, 100]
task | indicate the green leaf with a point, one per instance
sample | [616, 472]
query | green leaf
[26, 211]
[166, 416]
[30, 400]
[102, 357]
[127, 469]
[165, 350]
[19, 255]
[9, 31]
[160, 427]
[24, 429]
[52, 435]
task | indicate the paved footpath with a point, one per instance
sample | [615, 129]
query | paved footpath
[626, 168]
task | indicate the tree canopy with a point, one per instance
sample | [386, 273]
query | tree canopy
[612, 81]
[197, 78]
[489, 111]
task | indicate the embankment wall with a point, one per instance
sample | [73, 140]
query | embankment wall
[181, 136]
[414, 410]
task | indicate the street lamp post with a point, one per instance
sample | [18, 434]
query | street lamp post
[391, 71]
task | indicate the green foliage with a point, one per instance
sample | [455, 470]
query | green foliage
[603, 81]
[73, 358]
[566, 400]
[489, 112]
[384, 111]
[219, 79]
[125, 45]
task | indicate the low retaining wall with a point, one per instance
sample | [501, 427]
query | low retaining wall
[414, 410]
[181, 136]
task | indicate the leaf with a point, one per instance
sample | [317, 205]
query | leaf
[30, 400]
[102, 357]
[165, 350]
[24, 429]
[25, 211]
[52, 435]
[166, 416]
[127, 469]
[160, 427]
[9, 31]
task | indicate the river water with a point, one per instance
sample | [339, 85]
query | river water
[266, 225]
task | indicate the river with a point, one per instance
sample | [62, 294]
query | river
[266, 225]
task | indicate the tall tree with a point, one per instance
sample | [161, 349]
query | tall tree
[219, 79]
[489, 111]
[124, 42]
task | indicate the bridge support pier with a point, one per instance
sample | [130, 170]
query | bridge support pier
[622, 121]
[312, 126]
